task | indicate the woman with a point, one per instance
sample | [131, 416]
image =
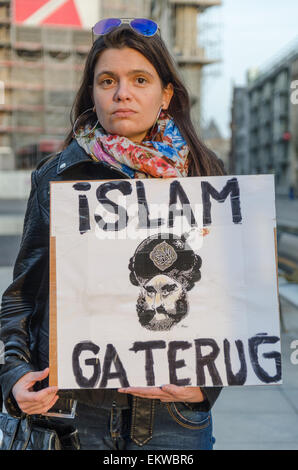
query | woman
[130, 112]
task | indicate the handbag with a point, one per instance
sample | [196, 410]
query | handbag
[36, 432]
[31, 433]
[21, 434]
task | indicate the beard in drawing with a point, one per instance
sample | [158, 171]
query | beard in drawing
[161, 304]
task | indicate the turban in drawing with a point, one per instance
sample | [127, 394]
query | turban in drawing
[166, 254]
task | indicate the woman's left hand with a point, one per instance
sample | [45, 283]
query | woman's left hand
[166, 393]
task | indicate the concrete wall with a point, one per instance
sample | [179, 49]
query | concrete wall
[7, 159]
[15, 184]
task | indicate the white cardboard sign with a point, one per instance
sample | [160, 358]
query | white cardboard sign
[164, 281]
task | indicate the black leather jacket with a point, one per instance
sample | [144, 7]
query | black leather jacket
[25, 304]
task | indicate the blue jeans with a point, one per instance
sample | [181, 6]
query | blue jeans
[175, 427]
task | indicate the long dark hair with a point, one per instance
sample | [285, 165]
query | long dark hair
[203, 162]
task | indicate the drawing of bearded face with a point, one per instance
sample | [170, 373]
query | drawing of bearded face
[164, 269]
[162, 303]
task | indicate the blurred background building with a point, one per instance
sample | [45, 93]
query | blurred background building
[265, 123]
[180, 26]
[215, 141]
[43, 47]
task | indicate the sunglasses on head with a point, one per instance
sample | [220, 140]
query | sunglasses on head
[141, 26]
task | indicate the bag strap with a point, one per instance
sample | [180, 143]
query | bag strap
[14, 434]
[16, 430]
[29, 430]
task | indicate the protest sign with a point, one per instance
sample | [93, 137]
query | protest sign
[164, 281]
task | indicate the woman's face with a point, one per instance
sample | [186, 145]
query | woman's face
[128, 93]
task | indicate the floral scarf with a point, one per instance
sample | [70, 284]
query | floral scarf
[162, 154]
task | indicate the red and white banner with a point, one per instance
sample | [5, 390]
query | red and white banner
[72, 13]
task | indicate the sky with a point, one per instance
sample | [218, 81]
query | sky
[252, 33]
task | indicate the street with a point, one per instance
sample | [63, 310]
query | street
[251, 417]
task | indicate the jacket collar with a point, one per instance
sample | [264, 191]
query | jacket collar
[71, 156]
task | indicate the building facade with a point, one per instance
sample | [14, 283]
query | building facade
[216, 142]
[265, 123]
[239, 155]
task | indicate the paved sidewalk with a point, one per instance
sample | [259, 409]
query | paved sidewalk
[266, 417]
[262, 417]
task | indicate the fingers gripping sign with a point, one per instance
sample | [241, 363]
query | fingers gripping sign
[166, 393]
[31, 402]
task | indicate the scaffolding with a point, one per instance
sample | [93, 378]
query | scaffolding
[41, 67]
[185, 41]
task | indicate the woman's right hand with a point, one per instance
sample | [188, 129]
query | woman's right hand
[31, 402]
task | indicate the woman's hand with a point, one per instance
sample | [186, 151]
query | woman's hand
[166, 393]
[31, 402]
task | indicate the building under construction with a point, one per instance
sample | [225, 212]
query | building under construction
[43, 47]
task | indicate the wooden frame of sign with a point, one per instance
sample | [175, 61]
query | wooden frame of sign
[53, 377]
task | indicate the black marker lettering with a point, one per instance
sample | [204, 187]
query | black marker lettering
[232, 187]
[111, 356]
[253, 345]
[240, 377]
[149, 362]
[84, 214]
[125, 188]
[81, 380]
[82, 186]
[144, 214]
[174, 364]
[207, 361]
[176, 191]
